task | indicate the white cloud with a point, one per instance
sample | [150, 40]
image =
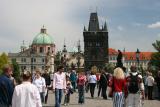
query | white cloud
[137, 24]
[158, 35]
[120, 28]
[154, 25]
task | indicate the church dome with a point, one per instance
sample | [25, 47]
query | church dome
[42, 38]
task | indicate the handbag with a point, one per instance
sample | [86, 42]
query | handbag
[112, 89]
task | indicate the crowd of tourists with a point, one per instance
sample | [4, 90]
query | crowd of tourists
[126, 90]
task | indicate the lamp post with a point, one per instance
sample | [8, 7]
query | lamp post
[78, 61]
[137, 57]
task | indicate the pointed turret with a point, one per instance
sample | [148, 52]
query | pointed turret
[93, 22]
[84, 29]
[64, 48]
[23, 47]
[102, 27]
[79, 46]
[105, 26]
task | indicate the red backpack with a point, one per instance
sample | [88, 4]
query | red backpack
[81, 80]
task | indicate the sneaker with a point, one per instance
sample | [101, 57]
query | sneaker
[65, 104]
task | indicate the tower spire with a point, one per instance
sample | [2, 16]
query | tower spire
[64, 47]
[84, 29]
[93, 22]
[79, 46]
[105, 26]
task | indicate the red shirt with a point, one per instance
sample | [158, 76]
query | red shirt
[98, 77]
[120, 85]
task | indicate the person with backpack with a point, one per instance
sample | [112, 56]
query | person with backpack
[135, 88]
[81, 87]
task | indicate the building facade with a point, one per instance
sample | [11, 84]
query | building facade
[40, 55]
[95, 43]
[129, 58]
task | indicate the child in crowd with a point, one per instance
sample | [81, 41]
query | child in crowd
[68, 92]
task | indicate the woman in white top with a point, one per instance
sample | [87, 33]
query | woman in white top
[40, 83]
[92, 83]
[150, 84]
[26, 94]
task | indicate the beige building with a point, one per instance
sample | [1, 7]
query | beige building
[40, 55]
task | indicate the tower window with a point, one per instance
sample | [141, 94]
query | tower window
[97, 44]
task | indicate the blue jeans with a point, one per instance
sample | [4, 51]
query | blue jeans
[81, 94]
[58, 97]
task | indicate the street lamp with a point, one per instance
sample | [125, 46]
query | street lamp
[137, 56]
[78, 61]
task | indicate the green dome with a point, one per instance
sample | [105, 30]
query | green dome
[42, 38]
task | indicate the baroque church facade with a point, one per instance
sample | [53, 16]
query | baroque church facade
[40, 55]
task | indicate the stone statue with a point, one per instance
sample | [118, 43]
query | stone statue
[119, 59]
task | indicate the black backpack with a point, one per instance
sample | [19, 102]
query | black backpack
[133, 84]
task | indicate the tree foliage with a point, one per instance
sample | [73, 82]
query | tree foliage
[155, 57]
[16, 71]
[109, 68]
[3, 61]
[155, 60]
[156, 45]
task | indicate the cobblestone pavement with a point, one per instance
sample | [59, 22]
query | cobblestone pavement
[96, 102]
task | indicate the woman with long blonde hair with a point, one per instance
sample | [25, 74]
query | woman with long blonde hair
[118, 88]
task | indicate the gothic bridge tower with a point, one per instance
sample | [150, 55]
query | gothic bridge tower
[95, 43]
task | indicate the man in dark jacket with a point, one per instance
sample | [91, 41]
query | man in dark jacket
[103, 82]
[6, 87]
[47, 78]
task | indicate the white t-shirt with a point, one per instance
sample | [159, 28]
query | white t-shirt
[150, 81]
[92, 79]
[59, 81]
[40, 84]
[26, 95]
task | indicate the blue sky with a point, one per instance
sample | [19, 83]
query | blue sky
[132, 24]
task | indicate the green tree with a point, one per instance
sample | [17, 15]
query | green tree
[156, 45]
[154, 63]
[16, 71]
[155, 60]
[57, 59]
[109, 68]
[3, 60]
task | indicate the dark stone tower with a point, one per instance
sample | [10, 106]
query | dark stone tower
[95, 43]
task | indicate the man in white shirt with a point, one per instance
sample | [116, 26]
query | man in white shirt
[59, 85]
[26, 94]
